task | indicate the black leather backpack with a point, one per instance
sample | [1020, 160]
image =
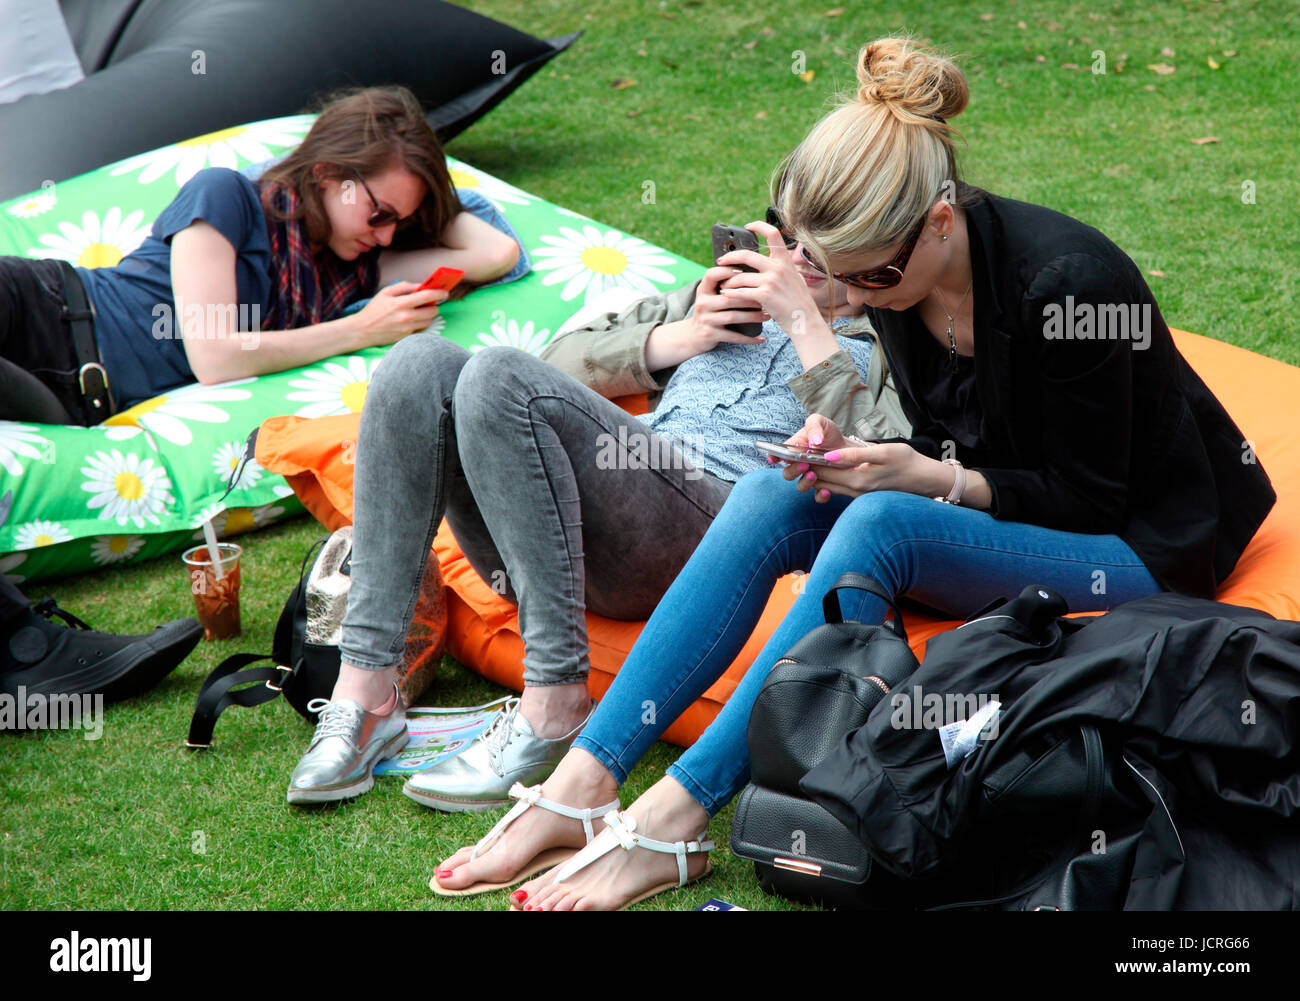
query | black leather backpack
[823, 688]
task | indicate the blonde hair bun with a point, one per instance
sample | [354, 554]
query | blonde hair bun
[911, 80]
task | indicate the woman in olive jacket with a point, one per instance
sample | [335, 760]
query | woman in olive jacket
[1073, 446]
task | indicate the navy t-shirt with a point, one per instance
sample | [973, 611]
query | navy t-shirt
[139, 340]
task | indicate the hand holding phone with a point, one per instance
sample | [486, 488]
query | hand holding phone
[444, 279]
[725, 240]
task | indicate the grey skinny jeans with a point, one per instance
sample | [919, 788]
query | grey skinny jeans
[515, 453]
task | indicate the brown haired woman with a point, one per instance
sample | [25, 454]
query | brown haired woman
[230, 257]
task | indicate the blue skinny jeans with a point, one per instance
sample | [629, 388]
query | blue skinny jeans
[953, 559]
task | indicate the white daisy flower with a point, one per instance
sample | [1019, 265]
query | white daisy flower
[212, 513]
[125, 432]
[21, 440]
[511, 334]
[34, 204]
[591, 261]
[465, 176]
[127, 487]
[35, 534]
[226, 460]
[108, 549]
[233, 148]
[237, 520]
[7, 563]
[165, 415]
[336, 388]
[262, 516]
[96, 243]
[282, 490]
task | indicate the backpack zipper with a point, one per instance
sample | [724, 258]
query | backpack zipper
[874, 679]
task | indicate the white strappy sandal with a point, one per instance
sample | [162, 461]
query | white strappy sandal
[620, 832]
[528, 796]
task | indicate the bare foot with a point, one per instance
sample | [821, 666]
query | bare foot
[579, 781]
[667, 812]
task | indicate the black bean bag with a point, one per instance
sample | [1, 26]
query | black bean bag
[258, 59]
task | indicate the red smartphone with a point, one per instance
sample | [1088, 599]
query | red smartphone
[445, 279]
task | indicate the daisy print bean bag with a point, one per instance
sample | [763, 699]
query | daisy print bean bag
[142, 483]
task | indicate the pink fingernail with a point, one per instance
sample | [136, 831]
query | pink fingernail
[802, 467]
[824, 494]
[810, 476]
[834, 456]
[814, 439]
[771, 458]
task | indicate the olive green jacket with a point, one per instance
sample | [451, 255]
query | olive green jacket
[608, 355]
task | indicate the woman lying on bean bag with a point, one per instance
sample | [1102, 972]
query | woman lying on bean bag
[1099, 464]
[230, 258]
[561, 501]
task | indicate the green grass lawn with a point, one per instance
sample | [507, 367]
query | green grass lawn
[117, 823]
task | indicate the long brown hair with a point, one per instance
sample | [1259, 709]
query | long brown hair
[361, 133]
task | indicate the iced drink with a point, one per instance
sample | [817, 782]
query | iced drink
[215, 597]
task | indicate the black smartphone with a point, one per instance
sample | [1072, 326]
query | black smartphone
[725, 240]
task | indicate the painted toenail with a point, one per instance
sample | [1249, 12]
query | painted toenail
[519, 896]
[444, 873]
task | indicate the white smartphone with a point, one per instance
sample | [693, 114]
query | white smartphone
[809, 453]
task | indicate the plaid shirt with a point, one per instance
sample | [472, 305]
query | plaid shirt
[308, 288]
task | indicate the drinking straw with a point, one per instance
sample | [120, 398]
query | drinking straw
[214, 553]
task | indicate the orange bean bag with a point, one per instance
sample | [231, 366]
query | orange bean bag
[1262, 395]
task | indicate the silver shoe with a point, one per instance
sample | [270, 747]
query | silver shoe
[347, 744]
[480, 777]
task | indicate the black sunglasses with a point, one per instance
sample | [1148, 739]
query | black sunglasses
[774, 220]
[888, 276]
[380, 217]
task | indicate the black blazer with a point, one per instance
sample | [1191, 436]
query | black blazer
[1082, 433]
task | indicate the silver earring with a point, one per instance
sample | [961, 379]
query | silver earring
[945, 236]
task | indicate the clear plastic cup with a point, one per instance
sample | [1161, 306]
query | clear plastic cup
[215, 598]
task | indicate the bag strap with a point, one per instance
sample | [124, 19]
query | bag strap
[861, 582]
[215, 697]
[250, 453]
[92, 380]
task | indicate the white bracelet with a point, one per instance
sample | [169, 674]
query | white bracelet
[958, 483]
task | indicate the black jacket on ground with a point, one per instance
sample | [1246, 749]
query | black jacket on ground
[1198, 707]
[1088, 435]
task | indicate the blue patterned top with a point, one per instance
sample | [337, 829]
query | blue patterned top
[717, 404]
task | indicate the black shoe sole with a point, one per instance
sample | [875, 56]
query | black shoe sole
[133, 669]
